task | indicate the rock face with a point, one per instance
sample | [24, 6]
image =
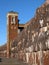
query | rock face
[47, 1]
[32, 45]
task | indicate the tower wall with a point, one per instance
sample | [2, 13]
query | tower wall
[12, 30]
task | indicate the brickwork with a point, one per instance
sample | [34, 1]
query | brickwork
[12, 29]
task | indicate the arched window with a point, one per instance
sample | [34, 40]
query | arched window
[13, 20]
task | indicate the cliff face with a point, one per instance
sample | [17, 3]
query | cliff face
[33, 41]
[36, 32]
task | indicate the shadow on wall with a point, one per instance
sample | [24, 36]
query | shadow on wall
[0, 59]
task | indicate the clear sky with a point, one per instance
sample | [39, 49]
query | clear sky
[25, 8]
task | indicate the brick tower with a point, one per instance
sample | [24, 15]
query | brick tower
[12, 29]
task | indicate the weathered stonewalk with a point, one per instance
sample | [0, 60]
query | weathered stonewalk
[11, 61]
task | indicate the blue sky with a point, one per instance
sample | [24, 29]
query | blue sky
[25, 8]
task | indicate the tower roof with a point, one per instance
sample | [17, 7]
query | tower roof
[12, 13]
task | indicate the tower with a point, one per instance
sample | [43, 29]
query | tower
[12, 29]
